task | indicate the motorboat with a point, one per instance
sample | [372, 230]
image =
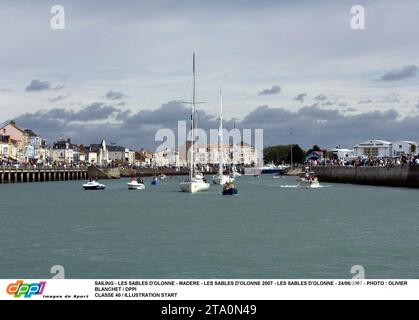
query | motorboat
[235, 173]
[229, 189]
[308, 179]
[93, 185]
[136, 184]
[162, 176]
[272, 168]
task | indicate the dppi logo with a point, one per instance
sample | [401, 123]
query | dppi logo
[27, 290]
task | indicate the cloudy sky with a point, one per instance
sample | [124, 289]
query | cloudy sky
[119, 69]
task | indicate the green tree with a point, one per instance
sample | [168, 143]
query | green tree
[413, 149]
[282, 153]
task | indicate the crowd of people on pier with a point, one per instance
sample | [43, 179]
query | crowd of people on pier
[368, 162]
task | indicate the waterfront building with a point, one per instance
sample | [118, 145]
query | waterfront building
[62, 152]
[209, 154]
[373, 148]
[143, 158]
[404, 148]
[98, 154]
[131, 157]
[82, 154]
[8, 149]
[315, 156]
[339, 153]
[32, 147]
[15, 133]
[165, 158]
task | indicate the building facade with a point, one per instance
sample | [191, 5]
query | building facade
[373, 148]
[404, 148]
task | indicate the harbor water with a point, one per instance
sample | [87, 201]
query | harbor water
[271, 229]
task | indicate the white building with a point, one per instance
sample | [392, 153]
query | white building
[340, 153]
[98, 153]
[404, 148]
[165, 158]
[373, 148]
[62, 152]
[209, 154]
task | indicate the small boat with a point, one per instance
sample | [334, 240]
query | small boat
[136, 184]
[93, 185]
[235, 173]
[155, 181]
[196, 184]
[229, 189]
[272, 168]
[162, 176]
[308, 179]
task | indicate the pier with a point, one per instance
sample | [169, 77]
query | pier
[13, 175]
[393, 176]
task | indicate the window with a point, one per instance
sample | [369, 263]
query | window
[371, 152]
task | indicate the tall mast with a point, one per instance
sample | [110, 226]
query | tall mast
[193, 120]
[220, 138]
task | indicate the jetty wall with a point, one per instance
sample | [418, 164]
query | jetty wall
[395, 176]
[18, 175]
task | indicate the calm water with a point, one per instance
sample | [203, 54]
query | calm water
[267, 231]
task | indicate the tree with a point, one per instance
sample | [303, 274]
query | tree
[282, 153]
[413, 149]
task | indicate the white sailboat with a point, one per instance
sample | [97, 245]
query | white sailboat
[220, 177]
[196, 181]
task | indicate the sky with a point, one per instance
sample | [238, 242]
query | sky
[120, 69]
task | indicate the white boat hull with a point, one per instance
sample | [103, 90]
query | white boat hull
[135, 186]
[93, 186]
[193, 187]
[308, 184]
[221, 180]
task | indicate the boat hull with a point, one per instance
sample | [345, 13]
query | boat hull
[272, 171]
[100, 187]
[309, 184]
[138, 186]
[193, 187]
[230, 191]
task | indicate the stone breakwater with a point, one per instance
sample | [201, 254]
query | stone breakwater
[395, 176]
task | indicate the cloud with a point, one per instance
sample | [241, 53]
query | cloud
[366, 101]
[310, 124]
[59, 98]
[114, 95]
[320, 97]
[93, 112]
[300, 97]
[274, 90]
[38, 85]
[406, 72]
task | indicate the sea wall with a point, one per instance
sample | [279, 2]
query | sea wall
[396, 176]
